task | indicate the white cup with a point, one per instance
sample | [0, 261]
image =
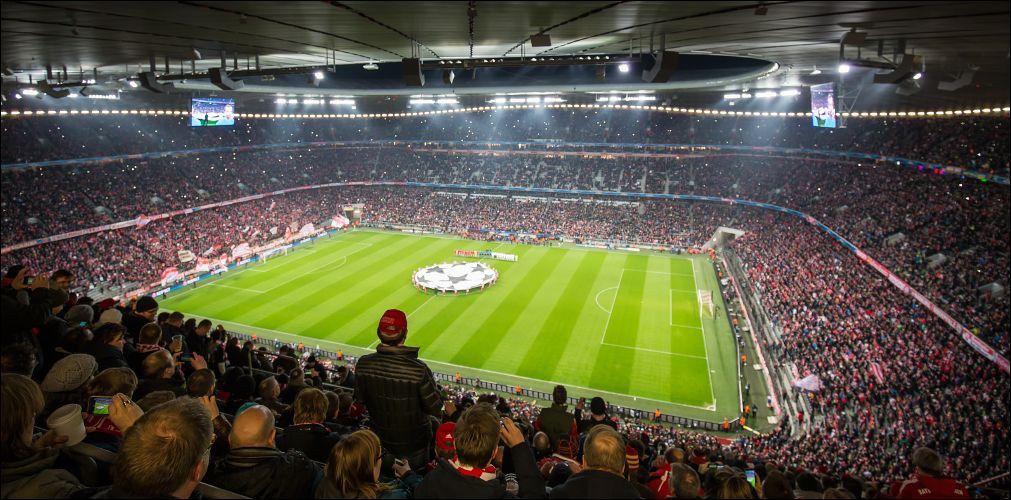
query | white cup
[67, 421]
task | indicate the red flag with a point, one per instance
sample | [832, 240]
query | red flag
[878, 372]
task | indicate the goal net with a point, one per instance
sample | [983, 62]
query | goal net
[706, 306]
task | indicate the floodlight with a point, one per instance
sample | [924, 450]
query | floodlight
[844, 68]
[623, 68]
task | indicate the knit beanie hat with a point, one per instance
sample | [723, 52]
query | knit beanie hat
[58, 297]
[632, 457]
[146, 303]
[80, 314]
[69, 373]
[110, 316]
[597, 406]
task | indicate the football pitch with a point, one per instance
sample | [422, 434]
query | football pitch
[622, 325]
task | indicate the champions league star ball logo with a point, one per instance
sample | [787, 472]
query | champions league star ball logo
[455, 277]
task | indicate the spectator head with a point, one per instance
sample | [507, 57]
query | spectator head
[542, 442]
[80, 314]
[176, 319]
[147, 307]
[22, 402]
[568, 446]
[775, 485]
[836, 494]
[808, 482]
[85, 301]
[269, 388]
[604, 449]
[247, 345]
[154, 399]
[346, 400]
[445, 446]
[353, 465]
[75, 338]
[684, 482]
[928, 462]
[166, 452]
[476, 436]
[112, 381]
[332, 405]
[392, 328]
[631, 460]
[296, 377]
[674, 455]
[158, 364]
[244, 388]
[736, 487]
[828, 482]
[598, 406]
[560, 396]
[112, 316]
[62, 278]
[253, 428]
[58, 298]
[200, 383]
[309, 406]
[110, 333]
[190, 324]
[853, 484]
[640, 449]
[70, 373]
[150, 334]
[18, 357]
[203, 327]
[163, 317]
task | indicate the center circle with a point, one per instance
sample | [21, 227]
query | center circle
[454, 277]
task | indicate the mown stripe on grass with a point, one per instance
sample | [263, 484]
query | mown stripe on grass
[294, 266]
[289, 300]
[547, 349]
[372, 286]
[479, 347]
[613, 364]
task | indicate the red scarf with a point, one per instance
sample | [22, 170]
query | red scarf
[482, 474]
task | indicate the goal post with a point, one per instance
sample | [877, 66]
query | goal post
[706, 307]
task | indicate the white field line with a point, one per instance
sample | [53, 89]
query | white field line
[658, 272]
[670, 315]
[597, 299]
[409, 315]
[709, 370]
[658, 352]
[320, 267]
[617, 289]
[233, 287]
[343, 259]
[686, 326]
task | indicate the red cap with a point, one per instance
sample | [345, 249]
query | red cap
[106, 304]
[444, 436]
[394, 321]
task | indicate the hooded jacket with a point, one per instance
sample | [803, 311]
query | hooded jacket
[265, 473]
[34, 477]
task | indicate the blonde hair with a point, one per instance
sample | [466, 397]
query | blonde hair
[310, 406]
[351, 464]
[112, 381]
[22, 401]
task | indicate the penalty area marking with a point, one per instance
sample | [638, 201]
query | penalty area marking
[597, 300]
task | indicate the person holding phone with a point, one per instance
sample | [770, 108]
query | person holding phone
[598, 415]
[19, 317]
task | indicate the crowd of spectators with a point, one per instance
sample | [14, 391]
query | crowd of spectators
[834, 314]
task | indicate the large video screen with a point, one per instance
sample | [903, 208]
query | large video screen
[823, 105]
[210, 112]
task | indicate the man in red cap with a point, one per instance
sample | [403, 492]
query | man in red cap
[445, 445]
[400, 394]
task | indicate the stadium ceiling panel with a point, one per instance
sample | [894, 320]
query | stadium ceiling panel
[118, 39]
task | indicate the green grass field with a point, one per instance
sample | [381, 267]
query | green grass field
[618, 324]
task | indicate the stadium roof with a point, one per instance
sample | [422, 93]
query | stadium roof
[724, 46]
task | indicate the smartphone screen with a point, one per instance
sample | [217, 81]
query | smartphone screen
[99, 405]
[185, 357]
[751, 476]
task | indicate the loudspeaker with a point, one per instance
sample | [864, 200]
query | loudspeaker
[413, 76]
[148, 81]
[904, 72]
[540, 40]
[664, 67]
[221, 80]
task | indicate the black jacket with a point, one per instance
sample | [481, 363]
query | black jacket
[106, 355]
[286, 362]
[265, 473]
[593, 483]
[314, 440]
[198, 345]
[114, 492]
[399, 392]
[288, 394]
[445, 482]
[133, 323]
[16, 316]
